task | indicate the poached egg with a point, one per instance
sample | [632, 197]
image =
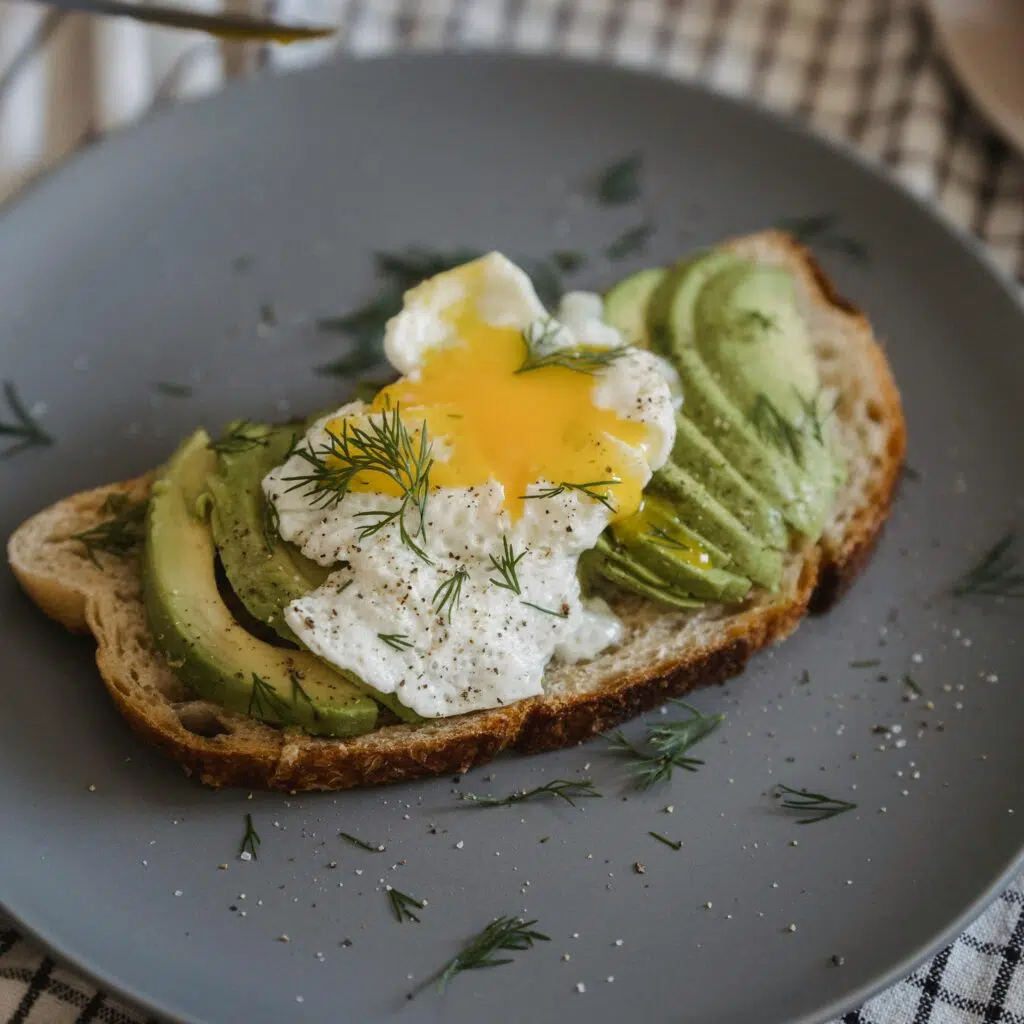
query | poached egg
[455, 506]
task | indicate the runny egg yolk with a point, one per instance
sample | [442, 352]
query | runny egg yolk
[516, 428]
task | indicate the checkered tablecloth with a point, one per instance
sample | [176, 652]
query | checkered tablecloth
[869, 71]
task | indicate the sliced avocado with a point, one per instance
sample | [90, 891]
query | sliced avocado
[709, 518]
[610, 563]
[783, 482]
[699, 457]
[201, 639]
[655, 539]
[625, 305]
[266, 573]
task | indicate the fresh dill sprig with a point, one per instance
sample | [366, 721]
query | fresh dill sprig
[402, 905]
[911, 684]
[563, 789]
[505, 933]
[811, 407]
[266, 704]
[822, 231]
[447, 596]
[775, 428]
[582, 359]
[675, 844]
[562, 614]
[819, 806]
[752, 324]
[299, 693]
[362, 844]
[120, 535]
[998, 574]
[385, 447]
[271, 525]
[586, 489]
[25, 432]
[250, 841]
[619, 182]
[630, 242]
[171, 389]
[505, 566]
[399, 641]
[667, 744]
[242, 436]
[568, 261]
[664, 539]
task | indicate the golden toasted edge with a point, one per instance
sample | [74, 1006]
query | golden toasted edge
[270, 758]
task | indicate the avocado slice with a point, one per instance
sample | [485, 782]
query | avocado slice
[655, 539]
[782, 481]
[625, 305]
[710, 519]
[703, 460]
[204, 644]
[266, 573]
[607, 561]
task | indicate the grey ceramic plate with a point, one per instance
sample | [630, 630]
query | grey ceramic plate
[123, 270]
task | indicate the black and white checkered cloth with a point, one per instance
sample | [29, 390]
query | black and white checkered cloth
[868, 71]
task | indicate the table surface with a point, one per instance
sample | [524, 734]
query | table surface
[868, 71]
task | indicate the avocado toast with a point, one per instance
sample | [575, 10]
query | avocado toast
[249, 716]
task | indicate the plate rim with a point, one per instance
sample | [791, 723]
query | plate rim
[782, 121]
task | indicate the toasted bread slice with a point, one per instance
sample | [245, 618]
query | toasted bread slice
[665, 653]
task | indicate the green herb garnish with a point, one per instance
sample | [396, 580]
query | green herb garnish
[271, 525]
[911, 684]
[24, 431]
[546, 611]
[299, 693]
[172, 390]
[402, 905]
[250, 841]
[384, 447]
[568, 261]
[505, 565]
[505, 933]
[449, 593]
[774, 428]
[356, 841]
[120, 535]
[867, 663]
[998, 574]
[630, 242]
[242, 436]
[675, 844]
[585, 489]
[563, 789]
[822, 231]
[399, 641]
[266, 704]
[620, 182]
[582, 359]
[812, 414]
[666, 747]
[820, 806]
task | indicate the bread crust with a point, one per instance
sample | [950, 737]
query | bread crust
[225, 749]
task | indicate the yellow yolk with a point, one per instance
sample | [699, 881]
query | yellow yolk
[514, 428]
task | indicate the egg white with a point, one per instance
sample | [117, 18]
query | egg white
[493, 648]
